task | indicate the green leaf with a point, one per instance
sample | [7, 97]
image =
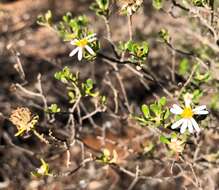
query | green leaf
[166, 114]
[54, 109]
[72, 97]
[164, 140]
[184, 66]
[196, 95]
[164, 35]
[46, 19]
[103, 4]
[173, 135]
[155, 108]
[199, 3]
[145, 110]
[157, 4]
[162, 101]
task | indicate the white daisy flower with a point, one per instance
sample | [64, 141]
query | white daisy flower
[187, 120]
[82, 44]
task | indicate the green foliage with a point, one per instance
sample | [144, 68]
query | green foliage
[145, 110]
[87, 87]
[164, 139]
[53, 109]
[44, 170]
[95, 46]
[76, 88]
[149, 148]
[184, 67]
[155, 114]
[157, 4]
[66, 76]
[214, 104]
[164, 35]
[45, 20]
[201, 77]
[101, 7]
[138, 52]
[108, 158]
[196, 95]
[199, 3]
[70, 28]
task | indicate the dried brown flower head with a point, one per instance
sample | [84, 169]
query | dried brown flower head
[176, 145]
[23, 119]
[130, 6]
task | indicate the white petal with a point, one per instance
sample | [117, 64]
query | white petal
[80, 54]
[177, 124]
[201, 112]
[190, 126]
[195, 125]
[176, 109]
[88, 48]
[184, 126]
[199, 108]
[187, 102]
[73, 41]
[74, 51]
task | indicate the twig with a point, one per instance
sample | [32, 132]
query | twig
[173, 66]
[91, 114]
[130, 26]
[109, 35]
[188, 80]
[115, 94]
[89, 118]
[34, 94]
[179, 5]
[135, 179]
[211, 4]
[40, 136]
[82, 164]
[9, 141]
[114, 59]
[124, 92]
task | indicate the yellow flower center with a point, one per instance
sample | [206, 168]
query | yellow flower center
[187, 113]
[82, 43]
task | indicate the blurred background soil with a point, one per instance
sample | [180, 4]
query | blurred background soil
[41, 51]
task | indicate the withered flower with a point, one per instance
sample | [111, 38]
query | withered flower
[23, 119]
[130, 6]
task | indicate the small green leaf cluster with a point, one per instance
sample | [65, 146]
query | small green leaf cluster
[199, 78]
[155, 114]
[137, 51]
[70, 27]
[46, 19]
[107, 157]
[53, 108]
[65, 76]
[101, 7]
[164, 35]
[76, 88]
[88, 87]
[199, 3]
[157, 4]
[44, 170]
